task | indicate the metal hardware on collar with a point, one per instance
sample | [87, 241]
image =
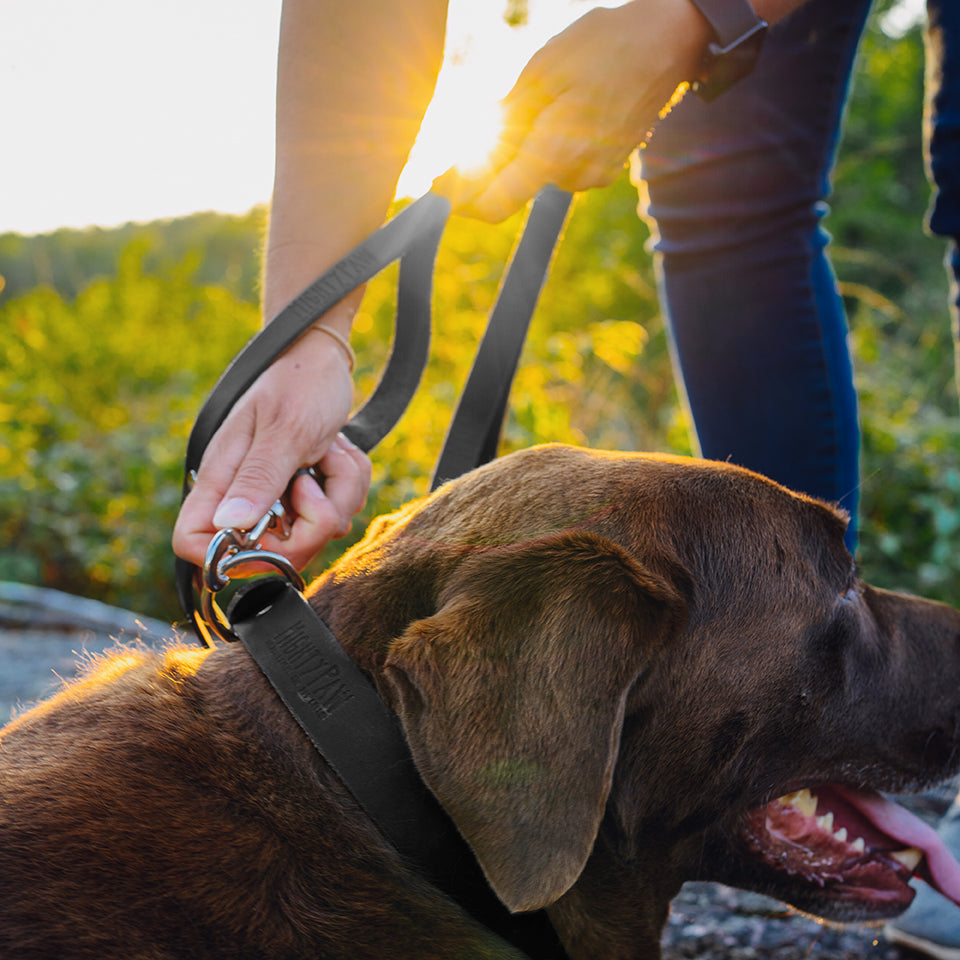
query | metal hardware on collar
[230, 549]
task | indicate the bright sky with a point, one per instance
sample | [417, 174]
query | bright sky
[123, 110]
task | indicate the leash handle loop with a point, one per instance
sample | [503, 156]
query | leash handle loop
[411, 237]
[474, 432]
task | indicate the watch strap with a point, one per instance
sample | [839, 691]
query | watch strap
[730, 19]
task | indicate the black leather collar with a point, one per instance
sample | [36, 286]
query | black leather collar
[353, 729]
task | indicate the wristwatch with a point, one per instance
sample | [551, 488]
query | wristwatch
[739, 36]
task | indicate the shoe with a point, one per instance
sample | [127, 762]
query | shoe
[931, 924]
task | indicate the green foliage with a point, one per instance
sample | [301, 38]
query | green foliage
[221, 247]
[109, 341]
[97, 397]
[895, 286]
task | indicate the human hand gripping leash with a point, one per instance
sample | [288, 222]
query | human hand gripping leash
[230, 549]
[412, 237]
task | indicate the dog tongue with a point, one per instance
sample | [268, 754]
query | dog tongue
[942, 869]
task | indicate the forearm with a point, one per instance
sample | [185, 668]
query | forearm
[354, 80]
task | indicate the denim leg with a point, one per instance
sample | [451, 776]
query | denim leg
[942, 140]
[735, 191]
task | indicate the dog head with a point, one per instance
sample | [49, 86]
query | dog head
[610, 667]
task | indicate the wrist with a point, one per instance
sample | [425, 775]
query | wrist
[737, 34]
[319, 355]
[291, 267]
[326, 328]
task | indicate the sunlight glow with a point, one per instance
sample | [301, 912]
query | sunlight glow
[460, 130]
[162, 142]
[483, 58]
[476, 140]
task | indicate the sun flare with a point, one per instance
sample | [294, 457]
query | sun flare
[460, 130]
[483, 58]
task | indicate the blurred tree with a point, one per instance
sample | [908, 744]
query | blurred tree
[891, 273]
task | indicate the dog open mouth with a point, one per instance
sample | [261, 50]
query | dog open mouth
[858, 848]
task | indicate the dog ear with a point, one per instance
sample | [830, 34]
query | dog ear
[512, 697]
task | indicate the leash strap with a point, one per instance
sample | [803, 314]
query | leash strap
[329, 696]
[341, 712]
[474, 433]
[412, 237]
[338, 708]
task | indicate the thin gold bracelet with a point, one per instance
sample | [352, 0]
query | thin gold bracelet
[342, 340]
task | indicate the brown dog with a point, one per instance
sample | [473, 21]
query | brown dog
[608, 669]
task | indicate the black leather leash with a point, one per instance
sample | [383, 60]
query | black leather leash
[334, 702]
[412, 237]
[474, 432]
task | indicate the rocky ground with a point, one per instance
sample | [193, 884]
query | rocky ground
[712, 922]
[43, 633]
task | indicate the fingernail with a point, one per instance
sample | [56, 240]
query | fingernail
[233, 513]
[341, 443]
[315, 490]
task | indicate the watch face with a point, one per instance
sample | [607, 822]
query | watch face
[724, 66]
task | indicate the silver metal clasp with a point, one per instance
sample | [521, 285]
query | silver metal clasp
[230, 549]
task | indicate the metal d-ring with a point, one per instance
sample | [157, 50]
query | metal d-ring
[214, 619]
[229, 549]
[263, 556]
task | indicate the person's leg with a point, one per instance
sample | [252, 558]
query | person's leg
[735, 192]
[932, 924]
[942, 140]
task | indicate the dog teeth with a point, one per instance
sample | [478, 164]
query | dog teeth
[802, 800]
[805, 803]
[909, 857]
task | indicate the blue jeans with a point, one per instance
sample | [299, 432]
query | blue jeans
[735, 191]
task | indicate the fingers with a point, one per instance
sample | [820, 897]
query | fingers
[321, 513]
[287, 419]
[562, 148]
[258, 480]
[224, 455]
[564, 139]
[324, 513]
[584, 102]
